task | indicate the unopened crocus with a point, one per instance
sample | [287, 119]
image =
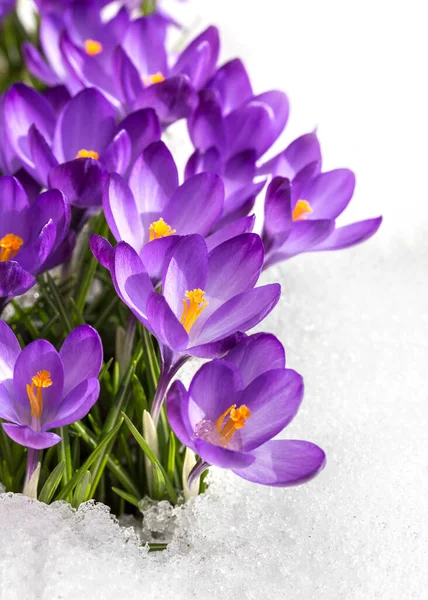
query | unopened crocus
[207, 298]
[76, 150]
[33, 237]
[42, 389]
[233, 409]
[301, 217]
[153, 210]
[231, 129]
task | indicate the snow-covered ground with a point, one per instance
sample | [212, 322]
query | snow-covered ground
[354, 323]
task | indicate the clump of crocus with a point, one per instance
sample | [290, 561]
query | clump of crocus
[33, 237]
[233, 409]
[42, 389]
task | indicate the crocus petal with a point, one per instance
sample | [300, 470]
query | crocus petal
[14, 204]
[206, 126]
[25, 107]
[156, 256]
[329, 193]
[164, 324]
[233, 84]
[172, 99]
[42, 155]
[62, 252]
[282, 463]
[196, 205]
[131, 280]
[153, 181]
[303, 236]
[57, 96]
[121, 212]
[126, 75]
[102, 250]
[273, 399]
[145, 43]
[25, 436]
[82, 356]
[187, 270]
[81, 180]
[280, 109]
[249, 127]
[76, 404]
[37, 356]
[256, 354]
[32, 256]
[240, 203]
[50, 31]
[176, 405]
[349, 235]
[240, 313]
[213, 390]
[234, 266]
[87, 122]
[244, 225]
[278, 214]
[204, 162]
[116, 157]
[143, 128]
[51, 205]
[222, 457]
[199, 58]
[7, 405]
[37, 65]
[14, 280]
[9, 351]
[300, 153]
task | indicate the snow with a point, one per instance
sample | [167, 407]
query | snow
[354, 323]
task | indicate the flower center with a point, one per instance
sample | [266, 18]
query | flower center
[236, 418]
[41, 380]
[301, 209]
[10, 245]
[153, 78]
[160, 229]
[92, 47]
[194, 303]
[87, 154]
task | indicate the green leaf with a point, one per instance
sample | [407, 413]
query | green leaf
[51, 483]
[89, 461]
[148, 452]
[83, 489]
[58, 302]
[170, 466]
[128, 497]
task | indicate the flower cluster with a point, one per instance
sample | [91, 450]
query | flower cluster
[156, 266]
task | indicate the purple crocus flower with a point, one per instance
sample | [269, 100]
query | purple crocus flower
[42, 389]
[33, 237]
[233, 409]
[75, 151]
[206, 299]
[5, 7]
[231, 129]
[301, 207]
[153, 211]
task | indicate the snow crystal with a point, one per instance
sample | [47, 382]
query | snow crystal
[355, 324]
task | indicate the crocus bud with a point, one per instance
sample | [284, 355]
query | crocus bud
[189, 462]
[30, 487]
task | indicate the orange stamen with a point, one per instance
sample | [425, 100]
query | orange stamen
[193, 304]
[301, 209]
[92, 47]
[154, 78]
[237, 419]
[10, 245]
[41, 380]
[159, 229]
[87, 154]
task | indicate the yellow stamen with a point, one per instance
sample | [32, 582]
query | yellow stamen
[41, 380]
[154, 78]
[92, 47]
[159, 229]
[236, 420]
[10, 245]
[193, 304]
[301, 209]
[87, 154]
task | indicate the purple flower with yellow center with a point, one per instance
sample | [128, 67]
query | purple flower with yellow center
[300, 217]
[75, 151]
[42, 389]
[231, 129]
[207, 298]
[33, 237]
[233, 409]
[153, 210]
